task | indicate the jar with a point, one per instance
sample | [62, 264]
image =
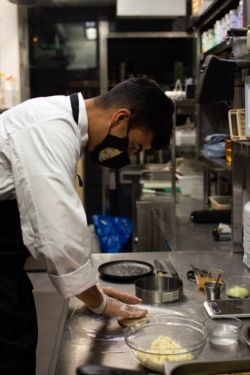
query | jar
[210, 38]
[240, 14]
[218, 32]
[228, 150]
[204, 42]
[233, 16]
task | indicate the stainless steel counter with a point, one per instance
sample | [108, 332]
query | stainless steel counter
[94, 339]
[165, 225]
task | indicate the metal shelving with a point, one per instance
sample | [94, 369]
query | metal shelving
[187, 107]
[213, 117]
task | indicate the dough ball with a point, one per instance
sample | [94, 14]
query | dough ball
[237, 292]
[127, 322]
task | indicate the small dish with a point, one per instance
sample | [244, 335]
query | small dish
[223, 331]
[237, 286]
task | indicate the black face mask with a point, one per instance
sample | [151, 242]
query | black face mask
[112, 152]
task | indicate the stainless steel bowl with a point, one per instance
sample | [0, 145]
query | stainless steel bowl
[159, 289]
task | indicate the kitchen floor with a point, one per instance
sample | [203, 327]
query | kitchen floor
[51, 313]
[52, 309]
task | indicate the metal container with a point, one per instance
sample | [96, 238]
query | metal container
[200, 367]
[159, 289]
[212, 367]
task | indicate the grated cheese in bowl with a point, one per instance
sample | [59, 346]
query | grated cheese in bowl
[165, 340]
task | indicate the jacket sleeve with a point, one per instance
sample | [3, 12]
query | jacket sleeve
[44, 156]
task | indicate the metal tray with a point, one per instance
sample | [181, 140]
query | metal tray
[215, 367]
[247, 336]
[125, 270]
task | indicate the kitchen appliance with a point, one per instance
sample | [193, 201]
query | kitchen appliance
[216, 80]
[220, 308]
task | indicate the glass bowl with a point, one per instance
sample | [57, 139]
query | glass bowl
[223, 331]
[168, 339]
[211, 275]
[237, 286]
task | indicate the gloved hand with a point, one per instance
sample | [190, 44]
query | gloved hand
[121, 296]
[117, 308]
[117, 303]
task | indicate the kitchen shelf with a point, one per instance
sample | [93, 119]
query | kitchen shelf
[243, 61]
[186, 103]
[182, 107]
[217, 164]
[242, 148]
[214, 11]
[218, 50]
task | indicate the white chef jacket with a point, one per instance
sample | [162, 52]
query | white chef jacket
[39, 149]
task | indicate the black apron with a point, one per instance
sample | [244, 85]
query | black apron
[18, 320]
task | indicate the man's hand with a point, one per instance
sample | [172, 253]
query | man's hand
[121, 296]
[112, 302]
[121, 304]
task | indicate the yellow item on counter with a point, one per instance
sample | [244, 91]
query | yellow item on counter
[156, 355]
[248, 38]
[237, 291]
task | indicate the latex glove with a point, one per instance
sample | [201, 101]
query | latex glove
[116, 306]
[121, 296]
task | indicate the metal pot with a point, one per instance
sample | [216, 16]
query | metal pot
[159, 289]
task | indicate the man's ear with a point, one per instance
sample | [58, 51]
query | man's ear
[121, 116]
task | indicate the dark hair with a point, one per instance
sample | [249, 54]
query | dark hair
[151, 109]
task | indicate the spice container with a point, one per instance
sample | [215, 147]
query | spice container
[237, 286]
[223, 331]
[229, 150]
[211, 275]
[213, 289]
[248, 37]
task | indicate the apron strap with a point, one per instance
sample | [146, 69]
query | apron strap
[75, 106]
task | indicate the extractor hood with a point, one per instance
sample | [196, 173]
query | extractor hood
[82, 2]
[150, 8]
[65, 3]
[24, 2]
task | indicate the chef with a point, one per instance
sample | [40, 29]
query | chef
[41, 141]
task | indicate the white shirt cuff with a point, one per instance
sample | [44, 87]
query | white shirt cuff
[75, 282]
